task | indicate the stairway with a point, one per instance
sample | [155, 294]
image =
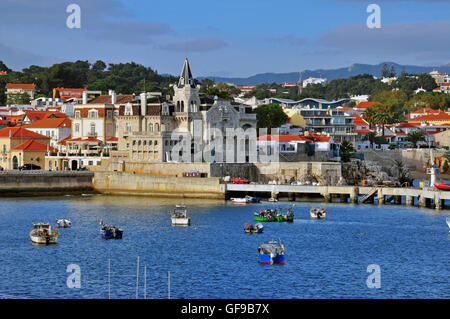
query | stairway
[370, 194]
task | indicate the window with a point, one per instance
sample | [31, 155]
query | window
[150, 143]
[77, 114]
[156, 143]
[92, 128]
[93, 114]
[128, 127]
[128, 109]
[77, 128]
[139, 143]
[109, 113]
[150, 127]
[134, 143]
[157, 127]
[144, 143]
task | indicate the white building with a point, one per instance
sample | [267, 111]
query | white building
[311, 80]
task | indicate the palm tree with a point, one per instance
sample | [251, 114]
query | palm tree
[415, 137]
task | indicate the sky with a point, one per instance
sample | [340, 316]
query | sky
[232, 38]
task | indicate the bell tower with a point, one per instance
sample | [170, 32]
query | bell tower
[186, 94]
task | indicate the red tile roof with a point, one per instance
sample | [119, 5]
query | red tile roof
[359, 121]
[442, 116]
[20, 132]
[39, 115]
[106, 99]
[363, 131]
[113, 139]
[63, 141]
[33, 145]
[364, 105]
[406, 124]
[425, 110]
[22, 86]
[50, 123]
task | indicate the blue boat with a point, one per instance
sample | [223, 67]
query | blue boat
[271, 252]
[110, 232]
[253, 229]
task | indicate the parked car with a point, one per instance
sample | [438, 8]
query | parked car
[240, 180]
[29, 167]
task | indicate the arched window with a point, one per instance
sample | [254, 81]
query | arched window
[150, 127]
[178, 106]
[139, 143]
[156, 127]
[182, 106]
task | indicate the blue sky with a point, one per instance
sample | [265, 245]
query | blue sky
[226, 38]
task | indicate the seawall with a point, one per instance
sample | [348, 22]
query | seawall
[125, 183]
[32, 183]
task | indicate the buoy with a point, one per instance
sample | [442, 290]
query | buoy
[34, 275]
[246, 225]
[364, 234]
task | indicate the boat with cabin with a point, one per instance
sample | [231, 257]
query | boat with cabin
[110, 232]
[180, 217]
[271, 252]
[42, 233]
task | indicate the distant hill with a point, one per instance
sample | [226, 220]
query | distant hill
[331, 74]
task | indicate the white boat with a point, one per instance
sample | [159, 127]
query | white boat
[42, 233]
[448, 221]
[63, 223]
[318, 213]
[244, 200]
[179, 216]
[273, 200]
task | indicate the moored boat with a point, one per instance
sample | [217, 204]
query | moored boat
[271, 252]
[42, 233]
[448, 221]
[110, 232]
[179, 216]
[63, 223]
[444, 187]
[240, 200]
[273, 200]
[253, 229]
[274, 215]
[318, 213]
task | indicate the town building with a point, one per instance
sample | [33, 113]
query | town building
[13, 89]
[56, 128]
[19, 146]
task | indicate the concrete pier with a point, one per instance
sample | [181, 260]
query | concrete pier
[396, 194]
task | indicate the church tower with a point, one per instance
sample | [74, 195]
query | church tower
[186, 94]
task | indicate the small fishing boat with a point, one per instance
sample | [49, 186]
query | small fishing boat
[42, 233]
[63, 223]
[271, 252]
[110, 232]
[444, 187]
[179, 216]
[253, 229]
[448, 222]
[240, 200]
[274, 215]
[273, 200]
[253, 199]
[318, 213]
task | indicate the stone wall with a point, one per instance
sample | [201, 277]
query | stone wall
[24, 183]
[124, 183]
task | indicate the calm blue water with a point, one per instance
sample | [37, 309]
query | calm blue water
[214, 258]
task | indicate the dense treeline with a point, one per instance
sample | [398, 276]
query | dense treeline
[124, 78]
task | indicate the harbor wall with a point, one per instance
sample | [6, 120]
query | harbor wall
[413, 158]
[32, 183]
[126, 183]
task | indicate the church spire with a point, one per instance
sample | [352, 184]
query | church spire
[186, 76]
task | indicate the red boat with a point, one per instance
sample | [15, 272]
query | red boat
[444, 187]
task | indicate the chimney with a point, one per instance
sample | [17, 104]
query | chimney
[113, 97]
[143, 103]
[84, 97]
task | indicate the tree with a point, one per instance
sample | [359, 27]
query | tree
[415, 137]
[346, 151]
[445, 167]
[270, 116]
[380, 140]
[385, 73]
